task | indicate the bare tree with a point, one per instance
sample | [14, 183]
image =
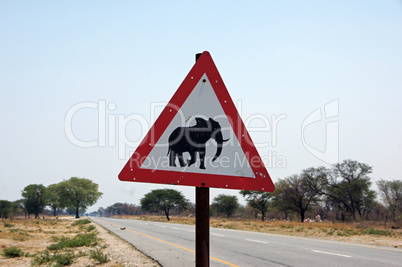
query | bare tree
[257, 200]
[391, 194]
[294, 193]
[346, 186]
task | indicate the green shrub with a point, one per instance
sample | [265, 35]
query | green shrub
[99, 256]
[91, 228]
[55, 238]
[81, 222]
[25, 233]
[373, 231]
[59, 259]
[6, 224]
[12, 252]
[79, 240]
[229, 226]
[58, 246]
[41, 258]
[63, 259]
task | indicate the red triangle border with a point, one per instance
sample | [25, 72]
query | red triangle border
[133, 173]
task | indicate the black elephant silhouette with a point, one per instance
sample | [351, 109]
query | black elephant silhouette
[192, 140]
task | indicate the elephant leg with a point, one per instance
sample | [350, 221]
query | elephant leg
[202, 157]
[172, 157]
[181, 161]
[193, 158]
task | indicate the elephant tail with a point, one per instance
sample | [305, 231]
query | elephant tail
[168, 151]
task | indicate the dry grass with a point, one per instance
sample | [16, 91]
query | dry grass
[52, 242]
[371, 233]
[34, 236]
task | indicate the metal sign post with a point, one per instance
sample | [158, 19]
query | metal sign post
[201, 222]
[202, 226]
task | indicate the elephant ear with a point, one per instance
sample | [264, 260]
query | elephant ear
[201, 123]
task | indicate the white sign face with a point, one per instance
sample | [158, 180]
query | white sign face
[173, 152]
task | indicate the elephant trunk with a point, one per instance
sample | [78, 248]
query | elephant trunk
[219, 140]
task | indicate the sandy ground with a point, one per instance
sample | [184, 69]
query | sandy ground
[121, 252]
[33, 236]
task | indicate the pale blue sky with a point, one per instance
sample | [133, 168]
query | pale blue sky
[276, 57]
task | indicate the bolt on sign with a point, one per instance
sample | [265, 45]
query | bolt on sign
[199, 139]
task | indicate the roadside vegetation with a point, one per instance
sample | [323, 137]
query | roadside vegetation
[371, 233]
[342, 193]
[337, 203]
[72, 196]
[50, 242]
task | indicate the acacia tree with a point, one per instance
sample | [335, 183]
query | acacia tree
[5, 209]
[20, 204]
[116, 208]
[391, 193]
[292, 192]
[164, 200]
[226, 204]
[101, 212]
[123, 209]
[78, 194]
[346, 186]
[54, 200]
[257, 200]
[8, 209]
[34, 199]
[282, 206]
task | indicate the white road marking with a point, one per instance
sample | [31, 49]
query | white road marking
[176, 228]
[258, 241]
[329, 253]
[218, 235]
[191, 231]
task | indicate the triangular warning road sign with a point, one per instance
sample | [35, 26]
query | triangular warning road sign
[199, 140]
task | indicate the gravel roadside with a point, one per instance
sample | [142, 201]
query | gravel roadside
[121, 253]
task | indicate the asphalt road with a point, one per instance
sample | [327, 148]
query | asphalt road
[174, 245]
